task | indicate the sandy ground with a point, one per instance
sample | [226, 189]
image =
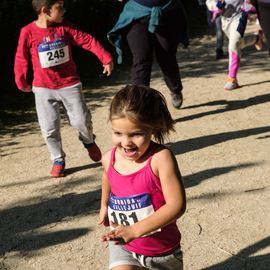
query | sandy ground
[222, 145]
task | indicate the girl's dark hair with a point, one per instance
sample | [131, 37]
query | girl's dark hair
[144, 105]
[38, 4]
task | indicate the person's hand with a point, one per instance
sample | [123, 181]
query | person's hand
[215, 14]
[108, 68]
[103, 217]
[27, 89]
[120, 235]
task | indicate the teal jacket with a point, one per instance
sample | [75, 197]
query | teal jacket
[134, 11]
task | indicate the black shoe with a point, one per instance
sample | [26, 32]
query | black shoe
[220, 54]
[177, 100]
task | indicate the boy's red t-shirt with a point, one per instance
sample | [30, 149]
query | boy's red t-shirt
[50, 52]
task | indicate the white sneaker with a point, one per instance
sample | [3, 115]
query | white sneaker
[231, 84]
[177, 100]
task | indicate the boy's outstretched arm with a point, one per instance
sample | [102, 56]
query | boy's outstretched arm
[91, 44]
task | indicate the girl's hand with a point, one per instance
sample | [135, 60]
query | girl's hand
[103, 217]
[120, 235]
[28, 89]
[107, 69]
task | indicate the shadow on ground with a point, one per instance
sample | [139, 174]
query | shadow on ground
[246, 258]
[19, 225]
[197, 178]
[193, 144]
[228, 106]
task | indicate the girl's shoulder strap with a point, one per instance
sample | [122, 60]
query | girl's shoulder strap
[112, 158]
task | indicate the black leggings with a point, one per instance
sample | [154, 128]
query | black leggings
[264, 17]
[163, 43]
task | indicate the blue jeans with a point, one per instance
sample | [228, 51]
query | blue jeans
[218, 29]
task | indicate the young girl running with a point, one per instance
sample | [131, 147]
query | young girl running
[142, 191]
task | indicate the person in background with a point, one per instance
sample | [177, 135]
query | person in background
[214, 20]
[47, 41]
[142, 191]
[263, 8]
[234, 15]
[155, 26]
[259, 33]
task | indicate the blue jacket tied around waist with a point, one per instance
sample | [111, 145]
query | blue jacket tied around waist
[133, 11]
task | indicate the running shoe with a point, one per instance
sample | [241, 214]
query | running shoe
[177, 100]
[93, 151]
[231, 84]
[58, 169]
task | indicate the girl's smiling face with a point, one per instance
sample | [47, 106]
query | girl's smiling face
[131, 139]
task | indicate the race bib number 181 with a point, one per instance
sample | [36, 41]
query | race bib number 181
[129, 210]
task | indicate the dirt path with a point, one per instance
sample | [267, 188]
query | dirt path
[222, 145]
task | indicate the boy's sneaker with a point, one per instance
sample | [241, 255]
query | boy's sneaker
[177, 100]
[93, 151]
[58, 169]
[231, 84]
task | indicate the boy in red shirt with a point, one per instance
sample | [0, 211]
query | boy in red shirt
[48, 42]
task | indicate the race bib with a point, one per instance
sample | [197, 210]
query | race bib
[129, 210]
[53, 53]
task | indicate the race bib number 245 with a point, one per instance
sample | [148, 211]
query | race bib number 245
[53, 53]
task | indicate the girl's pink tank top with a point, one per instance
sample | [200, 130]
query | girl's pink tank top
[144, 181]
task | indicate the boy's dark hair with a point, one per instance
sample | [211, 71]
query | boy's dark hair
[146, 106]
[38, 4]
